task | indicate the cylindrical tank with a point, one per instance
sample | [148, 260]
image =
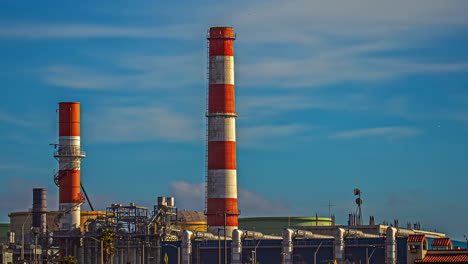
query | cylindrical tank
[39, 220]
[162, 201]
[170, 201]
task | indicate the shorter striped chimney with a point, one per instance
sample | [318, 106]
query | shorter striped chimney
[69, 156]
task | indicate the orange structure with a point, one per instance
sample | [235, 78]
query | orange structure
[69, 156]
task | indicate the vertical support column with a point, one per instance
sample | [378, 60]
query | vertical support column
[69, 156]
[186, 247]
[221, 211]
[339, 246]
[287, 252]
[390, 246]
[236, 244]
[96, 253]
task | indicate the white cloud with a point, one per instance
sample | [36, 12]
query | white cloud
[188, 196]
[255, 204]
[191, 196]
[388, 132]
[139, 123]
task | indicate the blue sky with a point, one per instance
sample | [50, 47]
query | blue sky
[331, 95]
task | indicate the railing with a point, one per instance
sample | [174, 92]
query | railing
[69, 151]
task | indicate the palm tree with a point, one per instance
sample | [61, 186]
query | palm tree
[69, 260]
[108, 237]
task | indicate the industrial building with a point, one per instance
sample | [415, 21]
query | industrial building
[163, 234]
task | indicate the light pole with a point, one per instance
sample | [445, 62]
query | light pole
[315, 253]
[219, 243]
[22, 237]
[225, 248]
[178, 251]
[219, 247]
[283, 257]
[254, 252]
[102, 248]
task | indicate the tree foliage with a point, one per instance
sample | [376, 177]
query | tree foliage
[108, 238]
[69, 260]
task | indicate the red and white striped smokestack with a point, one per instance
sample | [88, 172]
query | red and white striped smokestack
[222, 175]
[69, 156]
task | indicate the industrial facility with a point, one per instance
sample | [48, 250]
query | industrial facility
[123, 234]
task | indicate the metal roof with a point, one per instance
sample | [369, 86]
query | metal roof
[445, 258]
[191, 216]
[442, 242]
[416, 238]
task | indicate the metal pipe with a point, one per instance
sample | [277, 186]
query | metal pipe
[338, 245]
[359, 233]
[87, 197]
[236, 244]
[390, 246]
[287, 246]
[403, 232]
[187, 237]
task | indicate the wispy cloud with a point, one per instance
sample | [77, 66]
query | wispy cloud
[288, 101]
[192, 196]
[140, 123]
[82, 78]
[14, 119]
[302, 21]
[262, 136]
[332, 42]
[129, 73]
[388, 132]
[326, 69]
[24, 128]
[17, 196]
[35, 30]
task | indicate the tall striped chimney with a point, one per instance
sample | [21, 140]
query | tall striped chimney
[221, 190]
[69, 156]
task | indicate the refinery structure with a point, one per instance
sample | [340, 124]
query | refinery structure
[123, 234]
